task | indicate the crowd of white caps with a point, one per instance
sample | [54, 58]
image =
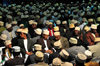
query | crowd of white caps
[49, 11]
[42, 13]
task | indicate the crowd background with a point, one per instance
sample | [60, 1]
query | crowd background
[50, 33]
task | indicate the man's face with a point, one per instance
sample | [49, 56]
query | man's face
[10, 29]
[57, 37]
[50, 26]
[9, 46]
[34, 26]
[23, 36]
[76, 32]
[45, 36]
[94, 30]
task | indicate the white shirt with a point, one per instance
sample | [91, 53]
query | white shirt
[46, 47]
[25, 45]
[82, 26]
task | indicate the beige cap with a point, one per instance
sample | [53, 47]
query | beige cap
[74, 21]
[14, 22]
[64, 54]
[8, 26]
[21, 25]
[56, 28]
[3, 36]
[81, 57]
[98, 19]
[97, 39]
[25, 31]
[38, 31]
[58, 22]
[64, 22]
[16, 48]
[86, 28]
[34, 23]
[56, 33]
[39, 55]
[77, 28]
[7, 42]
[84, 19]
[50, 23]
[1, 23]
[31, 22]
[38, 47]
[58, 44]
[19, 30]
[67, 64]
[88, 53]
[46, 32]
[71, 26]
[90, 20]
[47, 22]
[56, 61]
[73, 40]
[93, 26]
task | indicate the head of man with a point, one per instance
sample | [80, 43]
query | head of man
[50, 25]
[24, 33]
[57, 36]
[34, 25]
[8, 43]
[45, 34]
[77, 31]
[9, 27]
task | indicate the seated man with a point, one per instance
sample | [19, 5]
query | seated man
[45, 42]
[7, 51]
[17, 59]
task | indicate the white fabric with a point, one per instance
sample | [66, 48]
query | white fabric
[25, 45]
[46, 47]
[51, 32]
[7, 56]
[82, 25]
[8, 35]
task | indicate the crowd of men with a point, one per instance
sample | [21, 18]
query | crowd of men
[50, 34]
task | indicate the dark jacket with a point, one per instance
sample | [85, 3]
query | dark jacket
[40, 41]
[29, 46]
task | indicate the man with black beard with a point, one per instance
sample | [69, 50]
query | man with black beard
[31, 28]
[9, 32]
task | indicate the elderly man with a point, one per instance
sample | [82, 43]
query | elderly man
[63, 40]
[32, 27]
[9, 32]
[14, 25]
[7, 51]
[45, 42]
[38, 33]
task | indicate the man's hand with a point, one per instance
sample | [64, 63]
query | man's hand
[28, 53]
[49, 51]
